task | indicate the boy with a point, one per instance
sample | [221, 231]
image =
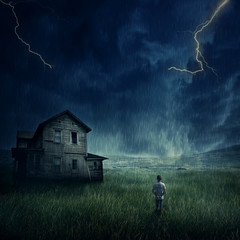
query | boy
[159, 190]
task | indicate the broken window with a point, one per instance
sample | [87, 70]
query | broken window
[74, 137]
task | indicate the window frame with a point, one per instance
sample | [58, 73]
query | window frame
[57, 137]
[57, 168]
[76, 139]
[74, 164]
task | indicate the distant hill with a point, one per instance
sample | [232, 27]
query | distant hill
[226, 157]
[222, 158]
[235, 148]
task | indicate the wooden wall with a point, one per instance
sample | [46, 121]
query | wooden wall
[66, 125]
[65, 151]
[95, 168]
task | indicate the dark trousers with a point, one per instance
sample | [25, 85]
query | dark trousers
[159, 202]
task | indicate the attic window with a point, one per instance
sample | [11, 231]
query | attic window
[57, 136]
[74, 137]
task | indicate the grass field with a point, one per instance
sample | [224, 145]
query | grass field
[200, 204]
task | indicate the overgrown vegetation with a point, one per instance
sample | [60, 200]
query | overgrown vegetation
[199, 205]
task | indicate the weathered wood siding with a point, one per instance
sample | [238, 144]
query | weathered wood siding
[65, 151]
[35, 163]
[66, 125]
[95, 168]
[37, 142]
[58, 149]
[66, 166]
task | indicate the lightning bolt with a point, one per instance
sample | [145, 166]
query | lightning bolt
[199, 57]
[16, 33]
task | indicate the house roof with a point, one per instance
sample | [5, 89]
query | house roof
[25, 134]
[91, 156]
[40, 126]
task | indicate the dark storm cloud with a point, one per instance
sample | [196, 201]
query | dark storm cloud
[213, 99]
[110, 68]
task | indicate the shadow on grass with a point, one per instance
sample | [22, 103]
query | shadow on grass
[52, 186]
[10, 183]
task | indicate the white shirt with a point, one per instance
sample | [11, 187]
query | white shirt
[159, 189]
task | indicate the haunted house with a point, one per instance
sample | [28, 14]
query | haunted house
[57, 149]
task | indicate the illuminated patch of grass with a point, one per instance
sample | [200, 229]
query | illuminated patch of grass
[198, 205]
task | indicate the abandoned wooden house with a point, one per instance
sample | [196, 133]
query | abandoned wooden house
[57, 149]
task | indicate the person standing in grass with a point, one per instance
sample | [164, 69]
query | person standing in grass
[159, 190]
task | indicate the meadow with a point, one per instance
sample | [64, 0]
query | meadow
[200, 204]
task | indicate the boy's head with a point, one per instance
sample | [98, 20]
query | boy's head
[159, 178]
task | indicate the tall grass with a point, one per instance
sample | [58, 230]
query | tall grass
[198, 205]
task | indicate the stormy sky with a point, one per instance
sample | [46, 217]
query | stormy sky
[110, 68]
